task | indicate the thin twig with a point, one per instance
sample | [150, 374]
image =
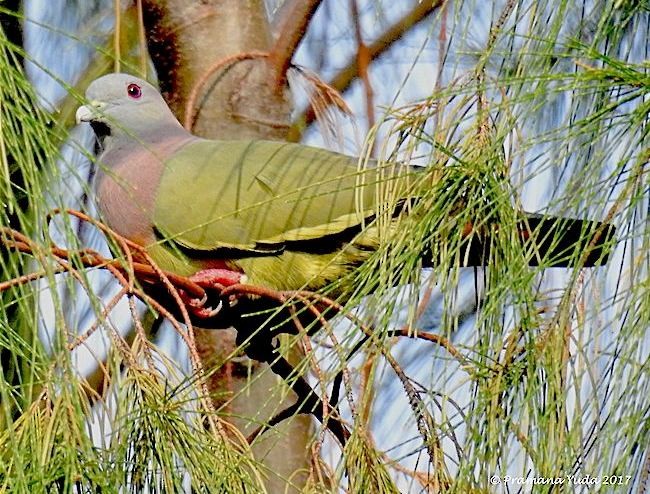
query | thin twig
[363, 63]
[291, 25]
[145, 269]
[342, 81]
[82, 338]
[142, 39]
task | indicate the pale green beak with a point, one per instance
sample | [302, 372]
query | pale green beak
[89, 112]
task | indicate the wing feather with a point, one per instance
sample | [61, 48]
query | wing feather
[258, 196]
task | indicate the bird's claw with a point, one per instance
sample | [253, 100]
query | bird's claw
[197, 302]
[207, 312]
[212, 278]
[196, 306]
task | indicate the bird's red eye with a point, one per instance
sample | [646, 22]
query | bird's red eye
[134, 91]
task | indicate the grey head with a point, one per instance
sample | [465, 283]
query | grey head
[124, 106]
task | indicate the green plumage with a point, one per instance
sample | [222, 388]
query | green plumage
[279, 211]
[288, 216]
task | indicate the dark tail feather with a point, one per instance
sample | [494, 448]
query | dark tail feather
[552, 242]
[563, 242]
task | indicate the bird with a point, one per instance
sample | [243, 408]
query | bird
[284, 216]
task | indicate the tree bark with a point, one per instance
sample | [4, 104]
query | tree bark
[186, 39]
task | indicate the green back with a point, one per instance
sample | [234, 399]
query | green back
[257, 195]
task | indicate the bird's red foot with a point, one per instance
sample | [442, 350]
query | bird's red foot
[210, 279]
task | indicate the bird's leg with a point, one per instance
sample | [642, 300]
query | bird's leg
[210, 279]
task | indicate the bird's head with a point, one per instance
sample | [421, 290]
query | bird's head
[124, 105]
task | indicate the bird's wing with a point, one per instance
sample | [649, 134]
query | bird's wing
[259, 197]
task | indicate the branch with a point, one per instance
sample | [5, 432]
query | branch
[363, 63]
[308, 402]
[342, 81]
[256, 340]
[139, 267]
[291, 24]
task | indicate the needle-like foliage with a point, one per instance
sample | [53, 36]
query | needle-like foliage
[447, 380]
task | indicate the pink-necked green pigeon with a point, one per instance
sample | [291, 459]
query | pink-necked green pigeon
[287, 216]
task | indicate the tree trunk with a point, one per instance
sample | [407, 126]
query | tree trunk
[186, 40]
